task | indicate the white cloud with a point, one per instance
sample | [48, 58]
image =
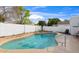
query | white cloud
[61, 19]
[36, 18]
[57, 15]
[48, 14]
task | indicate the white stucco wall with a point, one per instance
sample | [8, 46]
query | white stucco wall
[59, 28]
[74, 25]
[13, 29]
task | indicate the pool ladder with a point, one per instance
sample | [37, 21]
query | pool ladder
[64, 38]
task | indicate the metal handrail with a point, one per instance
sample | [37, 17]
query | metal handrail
[64, 39]
[61, 42]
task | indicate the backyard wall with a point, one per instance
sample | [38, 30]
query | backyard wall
[13, 29]
[59, 28]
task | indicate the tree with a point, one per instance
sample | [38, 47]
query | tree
[26, 19]
[2, 14]
[41, 23]
[19, 11]
[2, 18]
[20, 15]
[53, 21]
[23, 15]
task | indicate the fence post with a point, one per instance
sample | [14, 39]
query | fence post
[24, 28]
[65, 40]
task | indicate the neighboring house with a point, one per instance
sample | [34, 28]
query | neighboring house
[10, 14]
[74, 25]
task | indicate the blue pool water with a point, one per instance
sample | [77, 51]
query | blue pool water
[37, 41]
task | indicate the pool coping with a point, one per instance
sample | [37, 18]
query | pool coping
[14, 37]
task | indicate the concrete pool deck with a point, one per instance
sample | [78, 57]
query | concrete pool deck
[72, 45]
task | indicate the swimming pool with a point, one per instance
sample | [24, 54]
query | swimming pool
[37, 41]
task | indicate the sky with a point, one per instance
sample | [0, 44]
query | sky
[44, 12]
